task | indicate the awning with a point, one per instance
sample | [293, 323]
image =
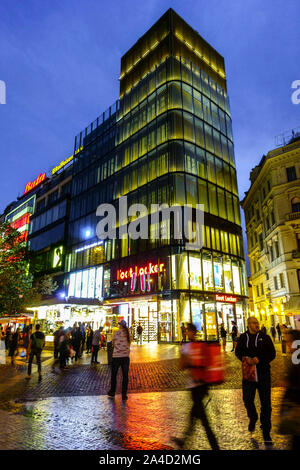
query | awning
[293, 305]
[16, 318]
[65, 302]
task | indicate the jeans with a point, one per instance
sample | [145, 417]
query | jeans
[116, 363]
[139, 338]
[36, 353]
[198, 412]
[264, 390]
[95, 354]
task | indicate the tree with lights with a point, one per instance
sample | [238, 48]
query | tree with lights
[16, 289]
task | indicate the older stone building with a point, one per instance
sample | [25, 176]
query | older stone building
[272, 213]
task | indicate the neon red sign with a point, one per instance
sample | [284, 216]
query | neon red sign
[24, 220]
[30, 185]
[226, 298]
[148, 269]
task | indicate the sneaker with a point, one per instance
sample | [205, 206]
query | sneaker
[178, 442]
[28, 377]
[111, 394]
[251, 427]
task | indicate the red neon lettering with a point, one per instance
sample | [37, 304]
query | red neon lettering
[30, 185]
[148, 269]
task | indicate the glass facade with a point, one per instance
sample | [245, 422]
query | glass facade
[168, 139]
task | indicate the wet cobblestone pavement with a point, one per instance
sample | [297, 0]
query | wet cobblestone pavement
[70, 410]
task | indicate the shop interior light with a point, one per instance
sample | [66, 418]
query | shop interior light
[87, 233]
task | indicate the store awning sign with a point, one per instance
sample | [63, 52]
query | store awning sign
[226, 298]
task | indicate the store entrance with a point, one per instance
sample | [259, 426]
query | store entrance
[144, 312]
[227, 313]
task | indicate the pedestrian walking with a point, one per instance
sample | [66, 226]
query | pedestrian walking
[26, 340]
[290, 407]
[95, 346]
[36, 345]
[8, 335]
[57, 335]
[198, 387]
[183, 333]
[121, 352]
[89, 339]
[139, 334]
[263, 330]
[278, 331]
[256, 351]
[273, 332]
[284, 330]
[13, 345]
[223, 334]
[64, 348]
[76, 340]
[234, 335]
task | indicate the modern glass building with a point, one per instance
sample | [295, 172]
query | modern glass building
[167, 139]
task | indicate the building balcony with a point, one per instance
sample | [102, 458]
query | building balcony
[292, 216]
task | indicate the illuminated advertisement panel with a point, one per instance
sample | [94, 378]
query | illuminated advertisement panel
[86, 284]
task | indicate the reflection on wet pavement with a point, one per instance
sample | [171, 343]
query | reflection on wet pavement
[145, 421]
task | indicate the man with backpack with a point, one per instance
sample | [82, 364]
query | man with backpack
[36, 345]
[139, 332]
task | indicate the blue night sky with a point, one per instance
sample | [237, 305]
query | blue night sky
[60, 60]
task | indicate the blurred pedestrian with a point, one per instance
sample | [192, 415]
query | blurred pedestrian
[139, 334]
[278, 331]
[57, 335]
[13, 345]
[89, 339]
[64, 348]
[273, 332]
[95, 346]
[36, 345]
[8, 335]
[198, 387]
[263, 329]
[290, 407]
[183, 333]
[284, 330]
[121, 352]
[76, 340]
[223, 334]
[256, 351]
[234, 335]
[26, 340]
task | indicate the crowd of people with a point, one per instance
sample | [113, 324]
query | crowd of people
[254, 348]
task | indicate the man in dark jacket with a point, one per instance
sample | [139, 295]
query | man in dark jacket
[257, 350]
[36, 345]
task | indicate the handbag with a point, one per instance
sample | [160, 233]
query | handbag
[249, 371]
